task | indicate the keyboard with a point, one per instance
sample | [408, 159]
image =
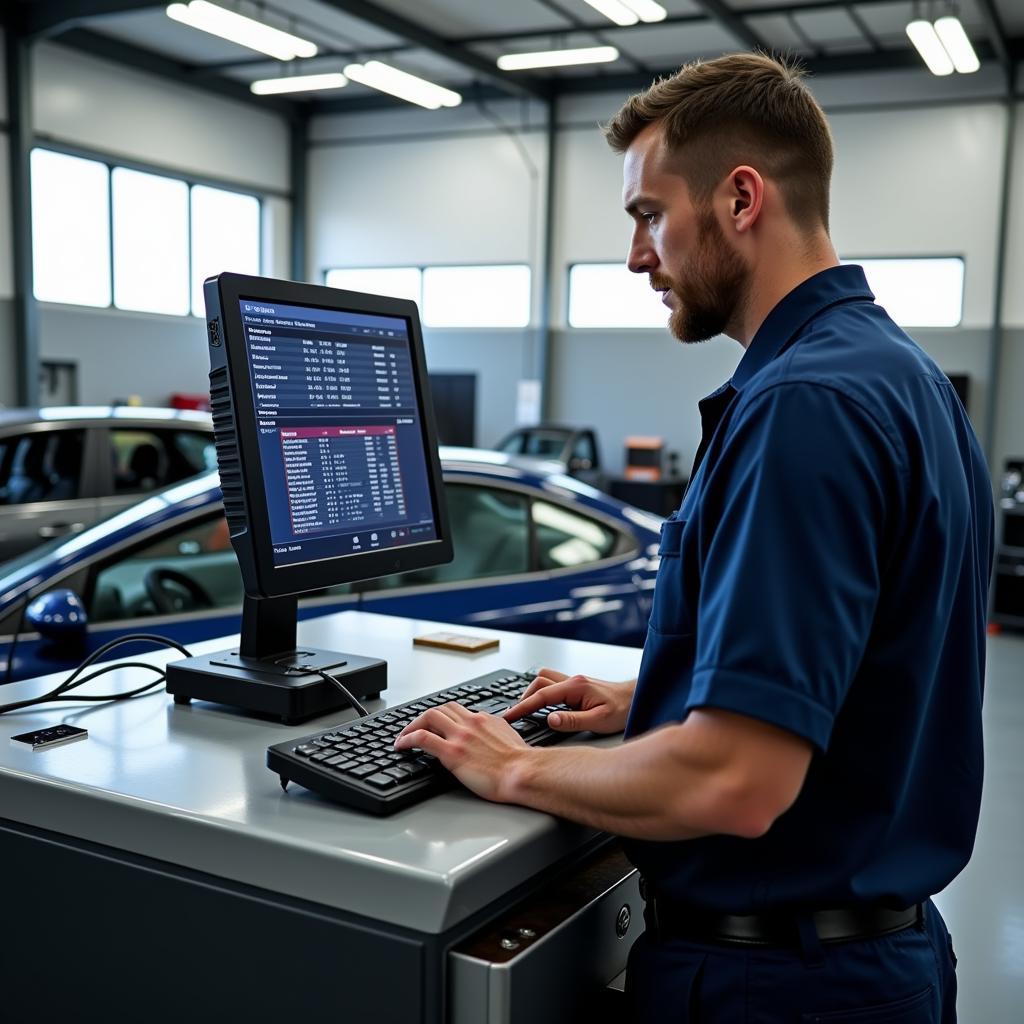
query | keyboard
[355, 764]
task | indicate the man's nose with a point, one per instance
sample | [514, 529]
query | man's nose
[641, 258]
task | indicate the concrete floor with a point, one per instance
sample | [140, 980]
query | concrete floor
[984, 907]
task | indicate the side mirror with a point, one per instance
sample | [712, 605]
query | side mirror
[58, 615]
[575, 465]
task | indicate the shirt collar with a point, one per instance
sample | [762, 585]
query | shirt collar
[809, 298]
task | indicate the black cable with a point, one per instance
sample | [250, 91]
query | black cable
[73, 682]
[344, 689]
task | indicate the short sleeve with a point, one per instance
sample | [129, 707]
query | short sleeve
[792, 532]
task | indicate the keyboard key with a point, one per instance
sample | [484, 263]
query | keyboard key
[336, 760]
[364, 770]
[382, 781]
[397, 773]
[306, 750]
[323, 755]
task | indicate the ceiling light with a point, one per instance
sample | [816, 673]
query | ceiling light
[951, 32]
[558, 58]
[298, 83]
[403, 85]
[646, 10]
[922, 34]
[615, 10]
[242, 30]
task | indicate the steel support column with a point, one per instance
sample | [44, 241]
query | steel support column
[299, 168]
[547, 267]
[26, 312]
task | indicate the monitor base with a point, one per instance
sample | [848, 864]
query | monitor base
[280, 685]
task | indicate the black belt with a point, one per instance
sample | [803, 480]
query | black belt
[666, 920]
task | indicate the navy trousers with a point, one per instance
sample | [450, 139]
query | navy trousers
[904, 978]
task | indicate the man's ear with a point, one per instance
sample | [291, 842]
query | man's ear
[746, 190]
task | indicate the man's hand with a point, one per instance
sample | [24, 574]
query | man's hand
[602, 707]
[477, 748]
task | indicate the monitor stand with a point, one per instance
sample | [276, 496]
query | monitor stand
[266, 674]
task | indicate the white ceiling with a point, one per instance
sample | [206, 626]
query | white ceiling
[820, 33]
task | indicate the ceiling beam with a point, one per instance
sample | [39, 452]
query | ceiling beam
[427, 39]
[733, 23]
[130, 55]
[50, 17]
[996, 34]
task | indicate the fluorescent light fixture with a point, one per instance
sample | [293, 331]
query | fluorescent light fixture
[239, 29]
[951, 32]
[558, 58]
[298, 83]
[646, 10]
[615, 10]
[927, 43]
[403, 85]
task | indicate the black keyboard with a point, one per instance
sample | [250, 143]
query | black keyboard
[356, 763]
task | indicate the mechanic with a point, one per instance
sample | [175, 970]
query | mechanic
[802, 766]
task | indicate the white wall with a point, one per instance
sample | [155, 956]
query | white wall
[119, 111]
[389, 197]
[116, 112]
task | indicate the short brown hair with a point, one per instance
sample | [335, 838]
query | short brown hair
[742, 108]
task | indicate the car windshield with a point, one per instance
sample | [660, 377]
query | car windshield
[14, 566]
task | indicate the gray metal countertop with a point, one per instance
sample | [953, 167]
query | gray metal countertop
[189, 785]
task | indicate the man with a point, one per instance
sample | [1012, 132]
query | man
[803, 760]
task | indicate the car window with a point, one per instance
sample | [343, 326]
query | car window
[144, 460]
[186, 569]
[544, 445]
[583, 449]
[566, 539]
[41, 466]
[490, 537]
[196, 449]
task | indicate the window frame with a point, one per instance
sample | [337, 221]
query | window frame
[568, 299]
[112, 161]
[422, 267]
[918, 258]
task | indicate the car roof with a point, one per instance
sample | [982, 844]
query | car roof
[203, 491]
[115, 414]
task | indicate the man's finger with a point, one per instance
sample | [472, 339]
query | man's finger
[423, 739]
[577, 721]
[555, 693]
[432, 718]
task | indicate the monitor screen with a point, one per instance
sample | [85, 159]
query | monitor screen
[340, 428]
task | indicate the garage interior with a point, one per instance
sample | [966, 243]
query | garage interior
[501, 216]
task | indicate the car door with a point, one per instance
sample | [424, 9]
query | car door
[521, 564]
[47, 486]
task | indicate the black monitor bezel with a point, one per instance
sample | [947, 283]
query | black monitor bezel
[255, 543]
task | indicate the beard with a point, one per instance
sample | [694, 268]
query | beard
[713, 292]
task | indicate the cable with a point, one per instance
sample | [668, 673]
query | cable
[73, 682]
[362, 712]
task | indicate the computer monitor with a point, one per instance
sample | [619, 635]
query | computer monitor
[327, 451]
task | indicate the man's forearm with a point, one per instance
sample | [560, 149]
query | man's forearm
[658, 786]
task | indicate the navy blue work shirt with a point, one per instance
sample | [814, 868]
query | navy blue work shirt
[828, 573]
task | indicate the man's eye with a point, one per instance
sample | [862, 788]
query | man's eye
[649, 217]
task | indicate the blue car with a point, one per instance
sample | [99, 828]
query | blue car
[536, 551]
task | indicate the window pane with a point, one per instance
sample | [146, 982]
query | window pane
[489, 536]
[150, 242]
[918, 292]
[610, 295]
[70, 229]
[139, 461]
[186, 569]
[476, 296]
[225, 236]
[396, 282]
[42, 466]
[567, 539]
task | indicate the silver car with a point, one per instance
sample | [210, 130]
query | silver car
[64, 468]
